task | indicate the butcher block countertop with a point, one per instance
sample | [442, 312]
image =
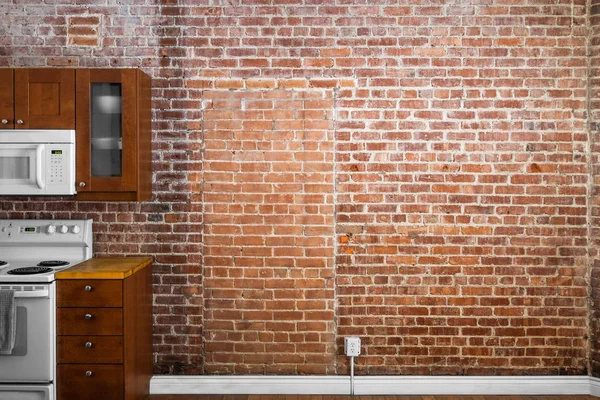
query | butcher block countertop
[105, 268]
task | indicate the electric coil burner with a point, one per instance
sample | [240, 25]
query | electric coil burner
[29, 271]
[33, 252]
[52, 263]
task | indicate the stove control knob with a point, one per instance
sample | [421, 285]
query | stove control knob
[50, 229]
[76, 229]
[64, 229]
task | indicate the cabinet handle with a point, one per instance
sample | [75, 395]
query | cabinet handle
[88, 373]
[88, 345]
[20, 121]
[88, 316]
[5, 121]
[88, 288]
[81, 184]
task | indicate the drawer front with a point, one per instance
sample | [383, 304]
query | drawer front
[89, 293]
[105, 382]
[90, 349]
[89, 321]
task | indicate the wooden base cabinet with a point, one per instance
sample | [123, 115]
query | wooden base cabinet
[104, 342]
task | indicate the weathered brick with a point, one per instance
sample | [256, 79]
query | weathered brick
[455, 188]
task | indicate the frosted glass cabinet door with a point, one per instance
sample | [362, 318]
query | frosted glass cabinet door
[106, 129]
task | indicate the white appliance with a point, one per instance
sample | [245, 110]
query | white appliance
[31, 251]
[37, 162]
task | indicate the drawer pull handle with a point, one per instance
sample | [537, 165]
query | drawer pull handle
[88, 345]
[88, 316]
[88, 288]
[88, 373]
[5, 121]
[20, 121]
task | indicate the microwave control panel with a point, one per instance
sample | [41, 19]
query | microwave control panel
[57, 165]
[60, 168]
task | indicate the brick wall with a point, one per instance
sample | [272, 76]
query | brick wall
[415, 173]
[594, 207]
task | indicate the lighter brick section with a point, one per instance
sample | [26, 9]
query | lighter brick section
[84, 30]
[269, 274]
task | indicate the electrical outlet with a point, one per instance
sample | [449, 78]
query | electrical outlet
[352, 346]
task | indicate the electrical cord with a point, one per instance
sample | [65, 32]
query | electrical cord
[352, 376]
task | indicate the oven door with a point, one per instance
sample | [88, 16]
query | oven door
[22, 168]
[32, 358]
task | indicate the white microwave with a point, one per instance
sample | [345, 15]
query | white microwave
[37, 162]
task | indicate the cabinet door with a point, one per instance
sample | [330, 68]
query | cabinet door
[7, 111]
[44, 99]
[106, 131]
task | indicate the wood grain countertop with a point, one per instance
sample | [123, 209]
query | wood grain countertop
[105, 268]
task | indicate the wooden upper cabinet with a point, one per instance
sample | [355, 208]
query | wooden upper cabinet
[7, 109]
[44, 98]
[113, 134]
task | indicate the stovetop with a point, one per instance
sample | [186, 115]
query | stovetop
[34, 250]
[31, 271]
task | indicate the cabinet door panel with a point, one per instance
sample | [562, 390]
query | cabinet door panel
[44, 98]
[107, 131]
[7, 111]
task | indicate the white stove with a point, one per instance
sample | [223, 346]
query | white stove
[31, 252]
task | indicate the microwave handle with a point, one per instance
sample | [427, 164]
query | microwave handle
[38, 170]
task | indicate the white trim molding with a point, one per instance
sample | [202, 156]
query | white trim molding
[376, 385]
[250, 384]
[595, 387]
[472, 385]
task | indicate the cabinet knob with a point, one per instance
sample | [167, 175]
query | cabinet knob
[5, 121]
[88, 316]
[81, 184]
[88, 345]
[88, 288]
[20, 121]
[88, 373]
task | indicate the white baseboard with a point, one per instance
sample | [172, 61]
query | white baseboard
[377, 385]
[472, 385]
[253, 384]
[595, 387]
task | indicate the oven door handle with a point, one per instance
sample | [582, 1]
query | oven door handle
[38, 166]
[31, 294]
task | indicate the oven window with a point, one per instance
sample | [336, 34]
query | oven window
[14, 167]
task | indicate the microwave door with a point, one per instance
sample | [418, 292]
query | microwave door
[22, 169]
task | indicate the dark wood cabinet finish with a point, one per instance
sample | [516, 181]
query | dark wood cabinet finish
[90, 382]
[89, 321]
[118, 356]
[44, 98]
[89, 293]
[135, 180]
[37, 98]
[7, 106]
[85, 349]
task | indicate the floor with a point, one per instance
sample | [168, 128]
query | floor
[313, 397]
